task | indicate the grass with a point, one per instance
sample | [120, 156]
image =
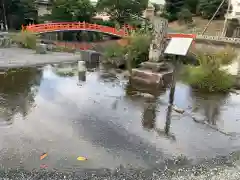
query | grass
[134, 49]
[25, 39]
[208, 76]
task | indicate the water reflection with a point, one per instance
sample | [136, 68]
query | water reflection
[95, 120]
[17, 92]
[209, 105]
[149, 114]
[107, 74]
[151, 107]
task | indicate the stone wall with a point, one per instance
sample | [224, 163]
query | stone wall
[218, 39]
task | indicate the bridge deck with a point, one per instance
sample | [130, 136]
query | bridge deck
[18, 58]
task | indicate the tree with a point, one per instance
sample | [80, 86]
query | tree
[18, 11]
[172, 7]
[185, 16]
[208, 8]
[71, 10]
[121, 10]
[192, 5]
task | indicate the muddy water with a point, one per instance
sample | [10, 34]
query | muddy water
[66, 118]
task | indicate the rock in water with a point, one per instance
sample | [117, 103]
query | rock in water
[41, 49]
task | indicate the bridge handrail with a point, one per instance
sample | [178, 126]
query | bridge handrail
[49, 27]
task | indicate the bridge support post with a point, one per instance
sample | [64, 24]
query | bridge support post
[60, 36]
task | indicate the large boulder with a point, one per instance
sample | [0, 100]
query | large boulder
[146, 77]
[149, 78]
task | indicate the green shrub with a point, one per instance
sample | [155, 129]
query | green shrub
[26, 39]
[210, 56]
[185, 16]
[136, 49]
[114, 51]
[208, 81]
[208, 76]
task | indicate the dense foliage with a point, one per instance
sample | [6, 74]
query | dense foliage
[134, 50]
[121, 11]
[71, 10]
[203, 8]
[18, 12]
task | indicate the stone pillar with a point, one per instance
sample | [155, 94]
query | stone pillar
[81, 71]
[159, 41]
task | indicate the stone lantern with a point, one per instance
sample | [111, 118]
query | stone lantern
[149, 12]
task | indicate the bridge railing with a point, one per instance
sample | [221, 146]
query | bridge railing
[68, 26]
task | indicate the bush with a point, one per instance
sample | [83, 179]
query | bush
[104, 23]
[26, 39]
[185, 16]
[138, 48]
[208, 81]
[135, 51]
[210, 56]
[208, 76]
[115, 50]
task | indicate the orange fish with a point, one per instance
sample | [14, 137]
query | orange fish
[43, 156]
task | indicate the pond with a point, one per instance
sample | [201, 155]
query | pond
[44, 112]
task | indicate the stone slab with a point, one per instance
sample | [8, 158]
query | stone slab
[148, 76]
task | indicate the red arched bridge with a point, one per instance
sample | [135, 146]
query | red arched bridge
[83, 26]
[77, 26]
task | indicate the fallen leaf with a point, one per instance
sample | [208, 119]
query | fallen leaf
[81, 158]
[43, 156]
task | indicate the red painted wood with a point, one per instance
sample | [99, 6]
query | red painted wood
[71, 26]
